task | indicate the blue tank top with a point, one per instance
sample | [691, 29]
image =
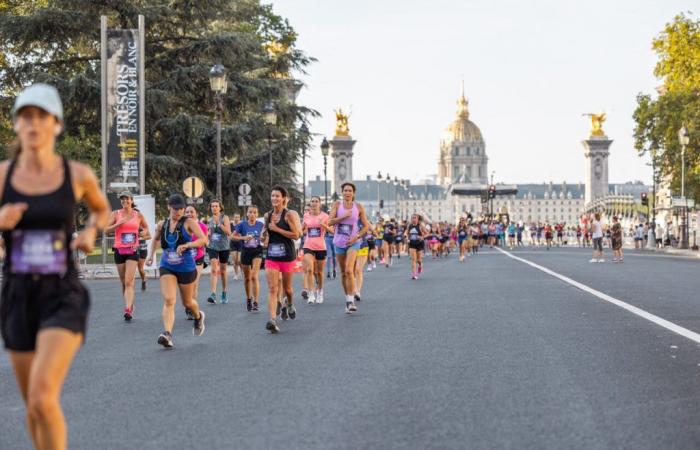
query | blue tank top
[170, 259]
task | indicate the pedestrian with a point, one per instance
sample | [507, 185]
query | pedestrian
[44, 307]
[616, 236]
[597, 235]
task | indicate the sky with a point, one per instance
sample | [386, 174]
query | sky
[530, 70]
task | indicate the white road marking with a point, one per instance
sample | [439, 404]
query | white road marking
[686, 333]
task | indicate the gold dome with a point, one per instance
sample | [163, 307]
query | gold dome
[463, 129]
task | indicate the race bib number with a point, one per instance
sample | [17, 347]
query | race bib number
[128, 238]
[40, 252]
[314, 232]
[253, 242]
[344, 229]
[173, 258]
[276, 250]
[462, 233]
[193, 252]
[216, 237]
[414, 236]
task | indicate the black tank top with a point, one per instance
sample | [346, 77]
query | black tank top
[414, 233]
[280, 248]
[49, 214]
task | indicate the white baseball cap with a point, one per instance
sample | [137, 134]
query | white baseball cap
[42, 96]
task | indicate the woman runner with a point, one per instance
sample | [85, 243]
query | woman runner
[191, 213]
[345, 215]
[360, 261]
[315, 227]
[283, 227]
[236, 248]
[250, 232]
[462, 237]
[218, 249]
[44, 307]
[178, 270]
[416, 235]
[144, 236]
[125, 225]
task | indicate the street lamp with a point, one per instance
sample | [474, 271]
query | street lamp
[324, 151]
[493, 173]
[379, 181]
[304, 131]
[684, 140]
[219, 85]
[270, 118]
[654, 154]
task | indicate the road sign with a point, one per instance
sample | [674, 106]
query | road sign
[245, 200]
[193, 187]
[244, 189]
[681, 202]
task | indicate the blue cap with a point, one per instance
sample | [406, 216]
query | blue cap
[42, 96]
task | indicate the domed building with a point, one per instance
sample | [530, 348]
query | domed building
[463, 157]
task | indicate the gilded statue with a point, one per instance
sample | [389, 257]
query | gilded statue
[597, 123]
[341, 127]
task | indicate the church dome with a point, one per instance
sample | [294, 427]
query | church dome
[462, 129]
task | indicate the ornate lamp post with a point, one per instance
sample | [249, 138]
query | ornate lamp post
[684, 140]
[324, 151]
[304, 131]
[219, 85]
[379, 181]
[270, 118]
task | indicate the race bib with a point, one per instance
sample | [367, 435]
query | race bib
[314, 232]
[193, 252]
[254, 242]
[344, 229]
[173, 258]
[462, 233]
[128, 238]
[276, 250]
[414, 237]
[40, 252]
[216, 237]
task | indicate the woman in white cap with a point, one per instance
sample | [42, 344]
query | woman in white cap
[44, 307]
[128, 226]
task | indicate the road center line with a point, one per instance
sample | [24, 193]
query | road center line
[686, 333]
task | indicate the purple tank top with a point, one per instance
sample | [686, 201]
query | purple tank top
[346, 228]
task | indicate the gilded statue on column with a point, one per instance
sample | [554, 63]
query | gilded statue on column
[341, 127]
[597, 123]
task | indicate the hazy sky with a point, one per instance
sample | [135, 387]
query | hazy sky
[530, 69]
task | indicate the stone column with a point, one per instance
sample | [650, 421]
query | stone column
[341, 151]
[596, 153]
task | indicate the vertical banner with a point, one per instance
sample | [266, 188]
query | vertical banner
[123, 111]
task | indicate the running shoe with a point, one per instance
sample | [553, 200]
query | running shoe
[305, 294]
[143, 285]
[319, 297]
[212, 298]
[374, 264]
[284, 314]
[357, 298]
[128, 314]
[369, 267]
[601, 260]
[199, 327]
[334, 274]
[224, 300]
[328, 275]
[347, 307]
[272, 327]
[188, 314]
[165, 339]
[312, 298]
[255, 307]
[292, 311]
[249, 305]
[353, 307]
[414, 277]
[593, 260]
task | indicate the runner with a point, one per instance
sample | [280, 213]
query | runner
[398, 239]
[416, 233]
[144, 236]
[345, 215]
[44, 307]
[315, 227]
[372, 263]
[235, 246]
[125, 224]
[218, 249]
[198, 253]
[462, 237]
[389, 234]
[330, 259]
[361, 260]
[283, 227]
[548, 235]
[250, 234]
[178, 270]
[511, 235]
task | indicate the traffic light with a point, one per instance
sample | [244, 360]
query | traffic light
[381, 204]
[492, 191]
[645, 199]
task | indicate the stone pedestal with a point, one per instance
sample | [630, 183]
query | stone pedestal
[596, 153]
[341, 151]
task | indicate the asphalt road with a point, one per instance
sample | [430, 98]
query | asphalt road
[487, 354]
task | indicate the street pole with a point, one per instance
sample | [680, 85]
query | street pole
[303, 175]
[219, 107]
[269, 146]
[325, 180]
[684, 225]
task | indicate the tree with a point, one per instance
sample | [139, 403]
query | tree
[57, 41]
[678, 103]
